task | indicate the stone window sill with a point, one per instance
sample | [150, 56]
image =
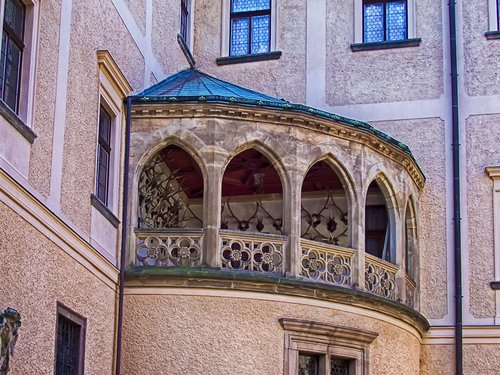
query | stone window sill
[12, 118]
[492, 34]
[414, 42]
[105, 211]
[275, 55]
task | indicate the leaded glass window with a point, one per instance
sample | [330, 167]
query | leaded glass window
[384, 20]
[12, 53]
[308, 364]
[250, 27]
[339, 366]
[103, 155]
[184, 19]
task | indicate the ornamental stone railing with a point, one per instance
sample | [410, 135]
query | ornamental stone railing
[410, 292]
[380, 277]
[265, 253]
[252, 252]
[326, 262]
[168, 248]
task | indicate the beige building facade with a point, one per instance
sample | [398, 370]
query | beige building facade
[167, 212]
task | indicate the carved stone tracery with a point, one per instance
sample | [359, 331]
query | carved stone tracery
[10, 321]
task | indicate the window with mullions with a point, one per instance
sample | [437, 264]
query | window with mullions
[12, 53]
[384, 20]
[103, 155]
[250, 27]
[184, 19]
[314, 364]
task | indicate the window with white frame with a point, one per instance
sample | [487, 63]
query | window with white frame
[103, 155]
[249, 27]
[185, 14]
[384, 20]
[493, 18]
[313, 348]
[19, 26]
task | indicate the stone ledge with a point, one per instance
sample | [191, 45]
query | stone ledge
[414, 42]
[105, 211]
[214, 278]
[492, 34]
[227, 60]
[495, 285]
[12, 118]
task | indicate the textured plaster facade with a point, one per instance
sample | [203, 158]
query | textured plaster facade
[426, 140]
[364, 77]
[482, 145]
[61, 279]
[245, 338]
[46, 207]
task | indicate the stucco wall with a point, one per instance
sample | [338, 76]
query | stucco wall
[92, 28]
[425, 137]
[387, 75]
[437, 360]
[481, 56]
[217, 335]
[283, 78]
[482, 138]
[36, 274]
[45, 95]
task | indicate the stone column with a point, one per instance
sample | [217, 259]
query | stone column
[293, 212]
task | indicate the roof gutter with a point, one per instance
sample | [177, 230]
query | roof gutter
[124, 238]
[457, 240]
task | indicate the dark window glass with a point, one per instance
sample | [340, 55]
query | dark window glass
[12, 53]
[184, 19]
[68, 348]
[339, 366]
[308, 364]
[384, 20]
[376, 223]
[250, 27]
[103, 155]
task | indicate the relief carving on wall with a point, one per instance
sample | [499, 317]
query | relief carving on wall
[10, 321]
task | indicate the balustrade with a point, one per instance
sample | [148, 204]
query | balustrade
[326, 262]
[166, 248]
[380, 277]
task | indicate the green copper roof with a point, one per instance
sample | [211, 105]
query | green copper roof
[194, 86]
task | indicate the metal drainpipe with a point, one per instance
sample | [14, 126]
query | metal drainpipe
[456, 192]
[124, 238]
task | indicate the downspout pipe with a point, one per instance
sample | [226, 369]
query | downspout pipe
[457, 240]
[123, 238]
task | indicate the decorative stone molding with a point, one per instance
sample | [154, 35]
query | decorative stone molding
[110, 68]
[10, 321]
[271, 283]
[337, 129]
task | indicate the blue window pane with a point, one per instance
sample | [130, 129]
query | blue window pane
[396, 20]
[239, 36]
[249, 5]
[260, 34]
[373, 23]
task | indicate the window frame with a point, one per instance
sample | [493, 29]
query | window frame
[327, 340]
[226, 35]
[27, 70]
[104, 145]
[384, 2]
[68, 314]
[359, 22]
[188, 7]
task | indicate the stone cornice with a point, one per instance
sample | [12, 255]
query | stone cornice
[287, 118]
[208, 278]
[113, 72]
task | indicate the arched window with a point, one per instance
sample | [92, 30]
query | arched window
[324, 206]
[377, 227]
[252, 195]
[171, 191]
[410, 241]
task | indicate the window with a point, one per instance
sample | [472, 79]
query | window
[184, 19]
[12, 52]
[384, 20]
[70, 342]
[103, 155]
[250, 23]
[314, 348]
